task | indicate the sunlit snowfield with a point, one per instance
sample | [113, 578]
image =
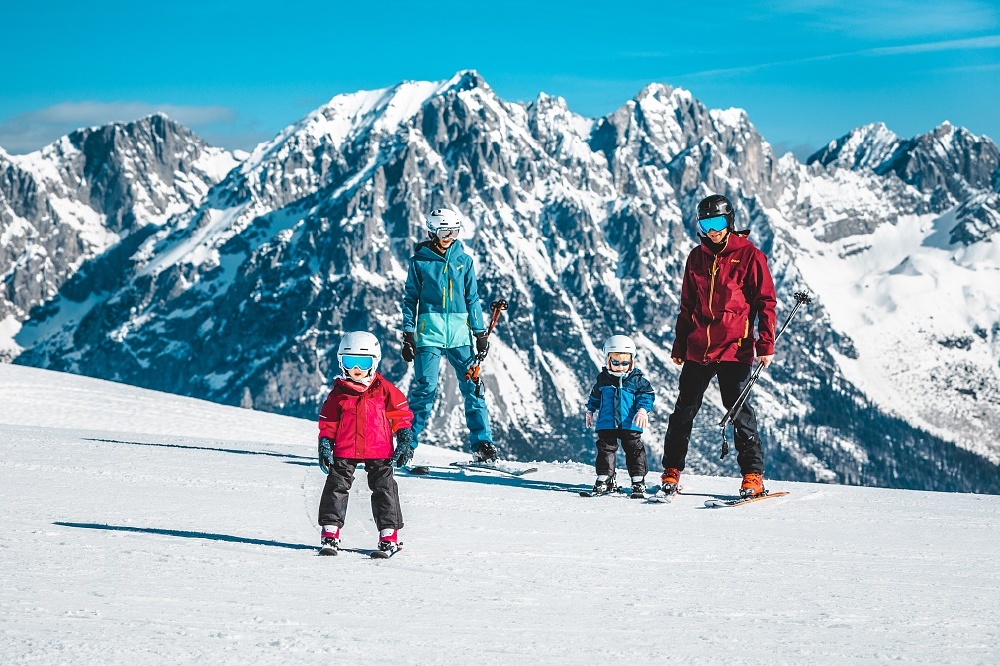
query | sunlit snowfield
[139, 527]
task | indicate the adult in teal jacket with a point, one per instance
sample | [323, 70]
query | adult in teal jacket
[442, 316]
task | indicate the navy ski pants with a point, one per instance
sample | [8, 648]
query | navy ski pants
[607, 452]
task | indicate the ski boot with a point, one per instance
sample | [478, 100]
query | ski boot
[603, 486]
[486, 453]
[670, 480]
[330, 540]
[753, 485]
[388, 544]
[638, 489]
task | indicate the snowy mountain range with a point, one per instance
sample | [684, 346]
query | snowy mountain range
[232, 279]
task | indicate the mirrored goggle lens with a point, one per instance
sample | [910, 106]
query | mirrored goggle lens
[447, 234]
[713, 224]
[619, 364]
[350, 361]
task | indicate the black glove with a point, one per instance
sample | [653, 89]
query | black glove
[404, 447]
[325, 454]
[482, 344]
[409, 347]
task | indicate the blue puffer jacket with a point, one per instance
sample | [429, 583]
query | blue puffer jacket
[441, 299]
[617, 399]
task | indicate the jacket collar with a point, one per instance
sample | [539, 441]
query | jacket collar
[425, 252]
[735, 240]
[353, 386]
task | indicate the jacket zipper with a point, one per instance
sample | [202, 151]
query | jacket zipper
[711, 297]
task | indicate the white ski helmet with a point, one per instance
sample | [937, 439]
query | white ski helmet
[357, 344]
[619, 344]
[444, 219]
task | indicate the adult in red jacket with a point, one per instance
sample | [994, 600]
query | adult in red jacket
[727, 288]
[356, 425]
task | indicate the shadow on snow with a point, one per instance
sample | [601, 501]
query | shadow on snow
[188, 535]
[244, 452]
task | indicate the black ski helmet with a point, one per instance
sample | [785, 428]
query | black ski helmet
[716, 205]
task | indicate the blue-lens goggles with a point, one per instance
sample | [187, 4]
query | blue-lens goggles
[717, 223]
[349, 361]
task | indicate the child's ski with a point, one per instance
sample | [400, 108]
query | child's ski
[496, 467]
[740, 501]
[620, 491]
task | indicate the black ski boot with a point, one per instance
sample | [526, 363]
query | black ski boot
[486, 453]
[600, 487]
[638, 490]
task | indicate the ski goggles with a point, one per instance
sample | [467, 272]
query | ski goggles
[717, 223]
[350, 361]
[620, 364]
[447, 234]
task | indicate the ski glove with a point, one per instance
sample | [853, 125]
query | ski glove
[404, 447]
[482, 344]
[409, 350]
[641, 419]
[325, 454]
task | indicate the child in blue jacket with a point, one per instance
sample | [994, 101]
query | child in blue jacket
[618, 409]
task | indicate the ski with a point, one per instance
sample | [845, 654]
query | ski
[385, 554]
[497, 467]
[740, 501]
[620, 491]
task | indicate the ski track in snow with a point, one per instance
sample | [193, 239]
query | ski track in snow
[143, 527]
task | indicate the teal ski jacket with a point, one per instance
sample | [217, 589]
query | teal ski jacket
[441, 298]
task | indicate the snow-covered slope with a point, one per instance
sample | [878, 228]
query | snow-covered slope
[149, 528]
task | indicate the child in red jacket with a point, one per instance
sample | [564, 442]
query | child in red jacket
[356, 425]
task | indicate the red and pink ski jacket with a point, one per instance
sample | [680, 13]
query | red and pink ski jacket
[721, 296]
[360, 420]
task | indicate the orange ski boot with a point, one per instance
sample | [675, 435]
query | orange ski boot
[753, 485]
[670, 480]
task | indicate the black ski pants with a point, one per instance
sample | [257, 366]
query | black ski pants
[607, 452]
[385, 493]
[694, 381]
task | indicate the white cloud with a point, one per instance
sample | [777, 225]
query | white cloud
[899, 19]
[30, 131]
[987, 42]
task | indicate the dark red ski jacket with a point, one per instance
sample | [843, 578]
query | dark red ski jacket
[721, 297]
[361, 419]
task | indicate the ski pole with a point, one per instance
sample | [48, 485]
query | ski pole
[801, 298]
[472, 373]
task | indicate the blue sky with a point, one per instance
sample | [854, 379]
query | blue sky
[807, 71]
